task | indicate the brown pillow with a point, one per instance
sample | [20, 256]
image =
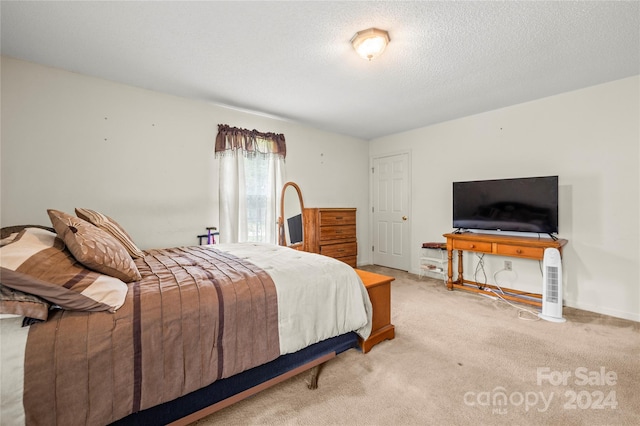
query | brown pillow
[36, 262]
[8, 240]
[105, 223]
[15, 302]
[94, 248]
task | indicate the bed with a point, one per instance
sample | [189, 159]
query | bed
[127, 336]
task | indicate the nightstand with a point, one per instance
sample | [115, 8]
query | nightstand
[379, 289]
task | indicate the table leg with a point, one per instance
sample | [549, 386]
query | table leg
[450, 269]
[460, 279]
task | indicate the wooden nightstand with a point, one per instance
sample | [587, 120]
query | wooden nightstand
[379, 289]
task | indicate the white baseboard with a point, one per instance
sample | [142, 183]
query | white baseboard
[604, 311]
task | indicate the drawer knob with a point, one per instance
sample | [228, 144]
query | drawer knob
[471, 245]
[519, 251]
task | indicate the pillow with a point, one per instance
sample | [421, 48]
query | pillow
[16, 302]
[105, 223]
[8, 240]
[94, 248]
[36, 262]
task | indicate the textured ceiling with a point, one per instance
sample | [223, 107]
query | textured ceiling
[293, 60]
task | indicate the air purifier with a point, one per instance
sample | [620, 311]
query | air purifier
[551, 286]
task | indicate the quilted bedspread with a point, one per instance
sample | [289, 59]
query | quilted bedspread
[197, 315]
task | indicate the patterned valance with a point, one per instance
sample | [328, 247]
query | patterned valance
[250, 142]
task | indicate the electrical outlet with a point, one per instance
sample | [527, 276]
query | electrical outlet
[507, 265]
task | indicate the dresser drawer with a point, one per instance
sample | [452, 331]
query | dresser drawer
[472, 246]
[337, 217]
[520, 251]
[330, 233]
[349, 260]
[340, 250]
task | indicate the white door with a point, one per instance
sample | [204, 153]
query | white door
[390, 211]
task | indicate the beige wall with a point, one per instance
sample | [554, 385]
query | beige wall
[590, 138]
[145, 158]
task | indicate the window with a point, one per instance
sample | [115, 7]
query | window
[251, 177]
[257, 192]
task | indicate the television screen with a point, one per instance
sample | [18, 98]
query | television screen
[295, 229]
[521, 204]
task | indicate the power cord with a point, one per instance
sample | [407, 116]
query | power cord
[520, 309]
[480, 266]
[483, 286]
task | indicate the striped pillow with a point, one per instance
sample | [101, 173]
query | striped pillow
[36, 262]
[93, 247]
[105, 223]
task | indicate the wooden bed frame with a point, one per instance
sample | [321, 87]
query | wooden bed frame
[225, 392]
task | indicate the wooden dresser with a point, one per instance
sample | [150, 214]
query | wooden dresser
[331, 232]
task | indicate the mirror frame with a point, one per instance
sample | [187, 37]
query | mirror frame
[282, 238]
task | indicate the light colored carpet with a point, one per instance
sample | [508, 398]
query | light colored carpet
[464, 359]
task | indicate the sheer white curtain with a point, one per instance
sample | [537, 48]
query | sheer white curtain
[249, 212]
[252, 173]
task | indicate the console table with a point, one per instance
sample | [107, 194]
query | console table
[503, 245]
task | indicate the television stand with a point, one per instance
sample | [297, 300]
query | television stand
[502, 245]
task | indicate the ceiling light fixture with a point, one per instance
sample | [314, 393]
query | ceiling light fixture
[370, 43]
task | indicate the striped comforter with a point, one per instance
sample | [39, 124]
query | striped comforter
[197, 315]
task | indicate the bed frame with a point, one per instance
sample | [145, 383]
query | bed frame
[222, 393]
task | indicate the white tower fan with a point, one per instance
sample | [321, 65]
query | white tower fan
[552, 286]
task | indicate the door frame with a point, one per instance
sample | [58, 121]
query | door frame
[409, 186]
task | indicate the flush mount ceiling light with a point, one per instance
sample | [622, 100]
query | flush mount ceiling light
[370, 43]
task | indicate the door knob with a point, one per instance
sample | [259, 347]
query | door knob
[404, 218]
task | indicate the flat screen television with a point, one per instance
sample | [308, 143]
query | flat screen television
[520, 204]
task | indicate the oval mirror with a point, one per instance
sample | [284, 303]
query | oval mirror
[290, 222]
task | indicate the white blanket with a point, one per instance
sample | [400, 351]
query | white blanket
[318, 297]
[13, 342]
